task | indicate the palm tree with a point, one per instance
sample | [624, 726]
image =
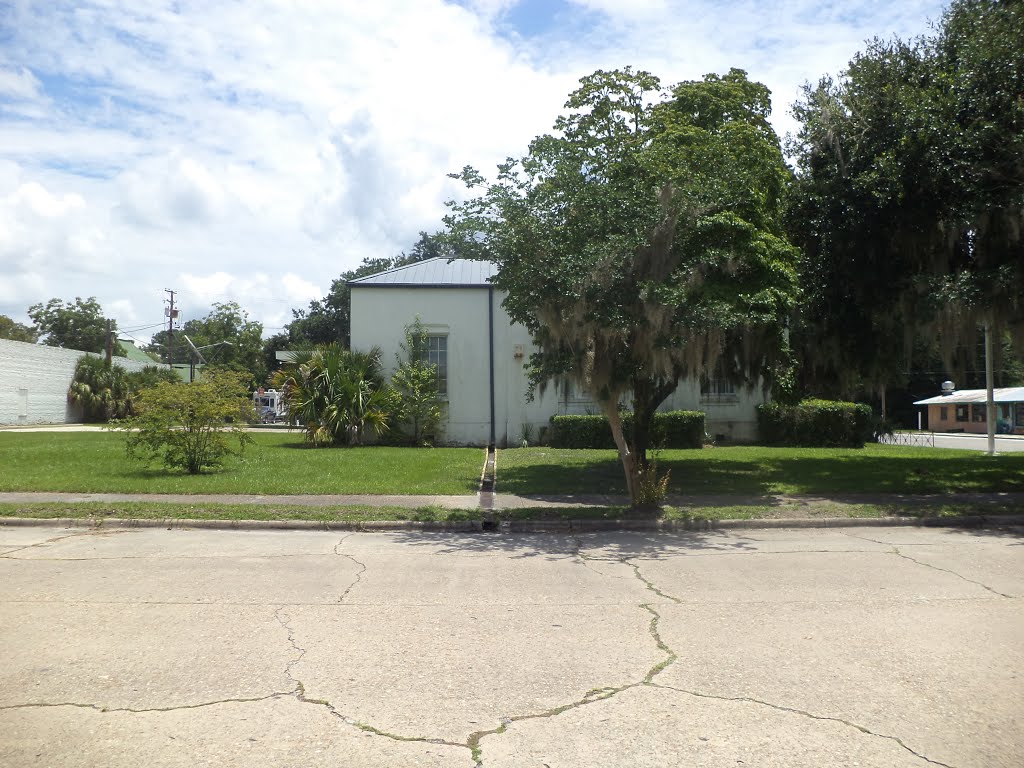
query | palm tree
[336, 394]
[101, 389]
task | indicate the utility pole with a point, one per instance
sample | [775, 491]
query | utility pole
[172, 314]
[991, 417]
[110, 343]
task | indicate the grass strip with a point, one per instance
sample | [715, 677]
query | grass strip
[172, 511]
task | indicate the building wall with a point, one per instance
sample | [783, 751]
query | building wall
[34, 382]
[379, 317]
[1007, 411]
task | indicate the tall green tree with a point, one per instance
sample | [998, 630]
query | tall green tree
[642, 242]
[909, 199]
[238, 340]
[15, 331]
[79, 325]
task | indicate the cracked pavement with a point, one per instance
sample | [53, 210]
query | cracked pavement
[869, 647]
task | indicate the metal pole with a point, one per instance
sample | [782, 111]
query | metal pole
[990, 405]
[490, 355]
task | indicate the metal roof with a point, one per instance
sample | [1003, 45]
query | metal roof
[1003, 395]
[436, 272]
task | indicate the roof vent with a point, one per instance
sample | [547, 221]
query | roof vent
[948, 387]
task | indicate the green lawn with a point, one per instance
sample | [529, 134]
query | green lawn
[95, 462]
[751, 470]
[278, 463]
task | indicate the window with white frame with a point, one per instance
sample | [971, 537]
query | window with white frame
[437, 354]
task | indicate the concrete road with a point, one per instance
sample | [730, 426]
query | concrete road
[862, 646]
[1004, 443]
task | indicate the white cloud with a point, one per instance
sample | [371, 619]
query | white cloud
[254, 151]
[19, 84]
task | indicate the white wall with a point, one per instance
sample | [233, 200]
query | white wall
[733, 418]
[34, 382]
[379, 317]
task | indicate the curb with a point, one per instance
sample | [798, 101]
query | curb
[522, 526]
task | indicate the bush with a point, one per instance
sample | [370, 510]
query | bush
[673, 429]
[191, 426]
[816, 424]
[106, 391]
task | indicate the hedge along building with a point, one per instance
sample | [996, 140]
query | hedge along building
[34, 382]
[481, 356]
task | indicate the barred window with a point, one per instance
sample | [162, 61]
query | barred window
[717, 389]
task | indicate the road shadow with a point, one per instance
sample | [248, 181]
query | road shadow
[602, 544]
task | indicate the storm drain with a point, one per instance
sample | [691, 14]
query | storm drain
[486, 492]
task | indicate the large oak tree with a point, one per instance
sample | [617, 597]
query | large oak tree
[909, 200]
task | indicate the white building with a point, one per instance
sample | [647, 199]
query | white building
[34, 382]
[481, 355]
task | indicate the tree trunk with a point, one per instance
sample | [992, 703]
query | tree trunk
[611, 411]
[648, 394]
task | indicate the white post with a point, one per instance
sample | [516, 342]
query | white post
[990, 405]
[919, 428]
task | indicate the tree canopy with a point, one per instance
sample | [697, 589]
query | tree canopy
[79, 325]
[225, 322]
[909, 198]
[15, 331]
[642, 242]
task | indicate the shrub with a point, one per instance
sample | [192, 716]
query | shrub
[673, 429]
[816, 424]
[186, 426]
[416, 384]
[337, 394]
[106, 391]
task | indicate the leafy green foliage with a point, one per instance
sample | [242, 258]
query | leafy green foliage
[15, 331]
[226, 322]
[337, 394]
[415, 382]
[909, 198]
[816, 424]
[191, 426]
[101, 390]
[106, 391]
[78, 326]
[643, 242]
[672, 429]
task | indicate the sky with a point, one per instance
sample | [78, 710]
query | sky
[254, 150]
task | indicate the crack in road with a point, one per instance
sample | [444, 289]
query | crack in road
[133, 710]
[40, 544]
[896, 551]
[597, 694]
[804, 713]
[299, 693]
[359, 574]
